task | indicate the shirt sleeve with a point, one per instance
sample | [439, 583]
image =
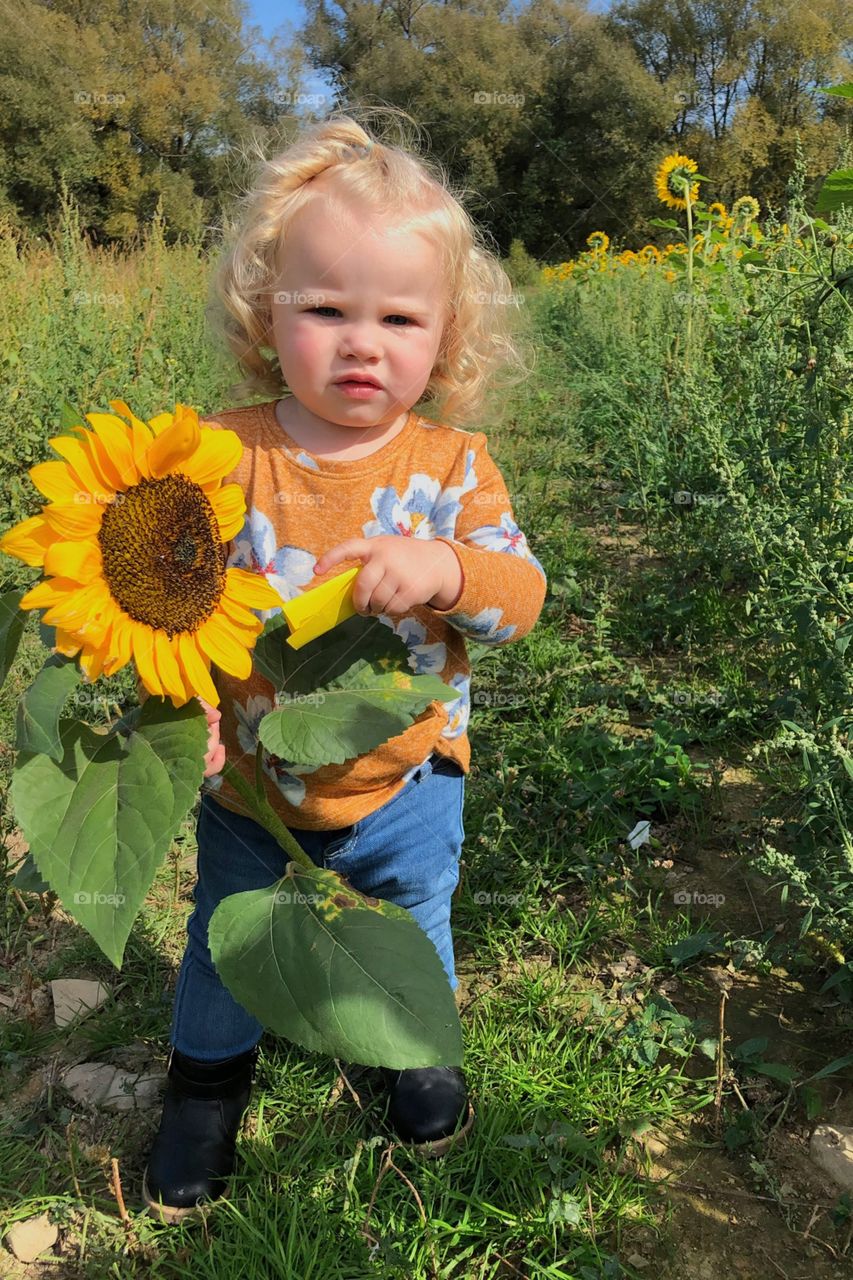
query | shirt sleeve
[504, 585]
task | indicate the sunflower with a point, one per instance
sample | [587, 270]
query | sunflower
[672, 175]
[718, 209]
[745, 208]
[132, 545]
[598, 241]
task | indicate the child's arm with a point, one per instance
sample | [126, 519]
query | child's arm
[504, 585]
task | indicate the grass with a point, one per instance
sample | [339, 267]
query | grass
[593, 1000]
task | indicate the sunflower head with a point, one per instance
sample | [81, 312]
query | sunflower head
[132, 547]
[598, 241]
[745, 210]
[718, 209]
[672, 179]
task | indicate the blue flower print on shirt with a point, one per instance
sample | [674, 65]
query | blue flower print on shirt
[505, 536]
[285, 775]
[458, 711]
[423, 510]
[287, 568]
[424, 659]
[483, 626]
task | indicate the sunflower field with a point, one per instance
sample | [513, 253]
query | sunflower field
[654, 923]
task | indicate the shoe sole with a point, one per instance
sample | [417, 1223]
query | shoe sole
[435, 1147]
[170, 1213]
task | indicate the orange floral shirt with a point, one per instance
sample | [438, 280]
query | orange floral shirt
[429, 481]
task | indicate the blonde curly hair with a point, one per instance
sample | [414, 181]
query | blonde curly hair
[483, 350]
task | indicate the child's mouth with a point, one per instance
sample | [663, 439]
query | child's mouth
[360, 390]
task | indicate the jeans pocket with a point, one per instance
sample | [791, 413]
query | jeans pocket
[341, 841]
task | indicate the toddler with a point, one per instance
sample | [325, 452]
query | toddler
[356, 283]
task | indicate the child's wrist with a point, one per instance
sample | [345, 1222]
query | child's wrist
[452, 579]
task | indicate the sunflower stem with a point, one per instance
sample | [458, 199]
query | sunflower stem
[263, 812]
[688, 346]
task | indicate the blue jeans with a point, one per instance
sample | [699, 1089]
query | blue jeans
[407, 852]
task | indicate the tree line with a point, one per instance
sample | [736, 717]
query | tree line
[551, 116]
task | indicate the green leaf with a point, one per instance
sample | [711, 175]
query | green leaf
[697, 944]
[100, 820]
[830, 1069]
[322, 965]
[839, 90]
[775, 1070]
[321, 660]
[362, 708]
[750, 1048]
[37, 723]
[13, 619]
[836, 191]
[811, 1101]
[669, 223]
[70, 416]
[47, 634]
[27, 877]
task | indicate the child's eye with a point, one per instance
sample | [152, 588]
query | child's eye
[405, 319]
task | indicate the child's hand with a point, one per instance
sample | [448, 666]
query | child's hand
[215, 757]
[398, 572]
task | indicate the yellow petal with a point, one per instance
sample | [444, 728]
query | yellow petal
[92, 663]
[217, 453]
[66, 644]
[28, 541]
[160, 422]
[251, 589]
[84, 468]
[196, 674]
[175, 445]
[121, 649]
[73, 520]
[80, 561]
[143, 655]
[115, 437]
[167, 666]
[48, 592]
[141, 437]
[236, 612]
[221, 641]
[55, 481]
[229, 504]
[84, 603]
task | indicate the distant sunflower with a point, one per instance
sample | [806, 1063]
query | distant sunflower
[598, 241]
[718, 209]
[745, 209]
[132, 546]
[671, 173]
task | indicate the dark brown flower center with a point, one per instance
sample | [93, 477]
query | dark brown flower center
[164, 560]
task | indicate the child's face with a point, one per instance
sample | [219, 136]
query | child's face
[356, 297]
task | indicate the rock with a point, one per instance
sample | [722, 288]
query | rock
[831, 1147]
[30, 1238]
[101, 1085]
[74, 996]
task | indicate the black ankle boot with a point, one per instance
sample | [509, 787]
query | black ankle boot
[193, 1152]
[429, 1107]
